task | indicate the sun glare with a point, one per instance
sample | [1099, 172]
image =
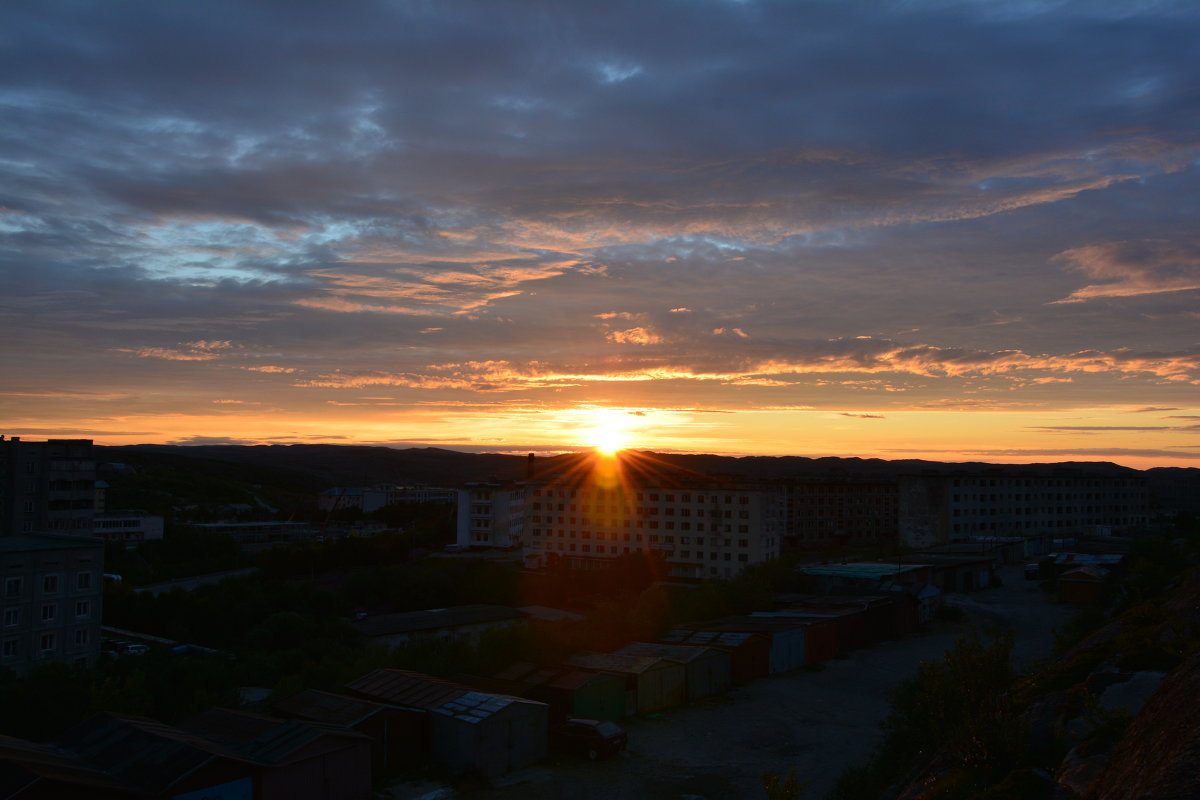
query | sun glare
[608, 440]
[607, 430]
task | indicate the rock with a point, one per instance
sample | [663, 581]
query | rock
[1078, 773]
[1130, 695]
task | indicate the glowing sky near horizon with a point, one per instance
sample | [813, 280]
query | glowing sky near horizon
[957, 230]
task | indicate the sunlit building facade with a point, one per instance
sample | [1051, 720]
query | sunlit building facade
[700, 531]
[492, 514]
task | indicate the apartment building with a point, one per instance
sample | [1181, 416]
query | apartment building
[46, 486]
[1026, 502]
[50, 589]
[827, 512]
[701, 530]
[492, 514]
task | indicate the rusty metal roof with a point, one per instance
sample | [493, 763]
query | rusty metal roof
[709, 638]
[331, 709]
[682, 653]
[263, 739]
[57, 764]
[614, 662]
[435, 619]
[517, 671]
[400, 687]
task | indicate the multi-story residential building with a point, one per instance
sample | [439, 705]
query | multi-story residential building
[46, 486]
[492, 514]
[1027, 502]
[700, 528]
[824, 512]
[50, 590]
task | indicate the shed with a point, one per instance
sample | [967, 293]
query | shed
[397, 734]
[299, 760]
[749, 653]
[651, 684]
[878, 611]
[1082, 584]
[786, 637]
[961, 573]
[822, 638]
[467, 730]
[925, 600]
[111, 753]
[581, 693]
[866, 575]
[708, 670]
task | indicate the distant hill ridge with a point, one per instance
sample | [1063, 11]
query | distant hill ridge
[338, 464]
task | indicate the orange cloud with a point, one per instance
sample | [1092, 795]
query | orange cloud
[1128, 269]
[640, 336]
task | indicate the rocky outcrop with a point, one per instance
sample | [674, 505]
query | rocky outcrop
[1157, 757]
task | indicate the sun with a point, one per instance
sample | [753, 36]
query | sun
[608, 440]
[607, 430]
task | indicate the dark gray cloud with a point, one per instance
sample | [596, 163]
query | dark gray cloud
[283, 203]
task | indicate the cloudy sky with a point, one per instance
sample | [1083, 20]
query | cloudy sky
[952, 230]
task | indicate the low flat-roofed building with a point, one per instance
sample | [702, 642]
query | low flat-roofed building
[460, 623]
[129, 528]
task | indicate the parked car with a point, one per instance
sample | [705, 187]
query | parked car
[594, 738]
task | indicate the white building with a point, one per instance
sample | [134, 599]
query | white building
[492, 514]
[130, 528]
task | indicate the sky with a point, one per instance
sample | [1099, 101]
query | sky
[948, 230]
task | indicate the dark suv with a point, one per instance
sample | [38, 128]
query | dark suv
[594, 738]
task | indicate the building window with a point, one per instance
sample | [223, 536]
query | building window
[81, 636]
[50, 584]
[83, 609]
[12, 616]
[47, 642]
[49, 612]
[12, 587]
[83, 580]
[12, 648]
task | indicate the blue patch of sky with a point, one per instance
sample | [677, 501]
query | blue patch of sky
[613, 72]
